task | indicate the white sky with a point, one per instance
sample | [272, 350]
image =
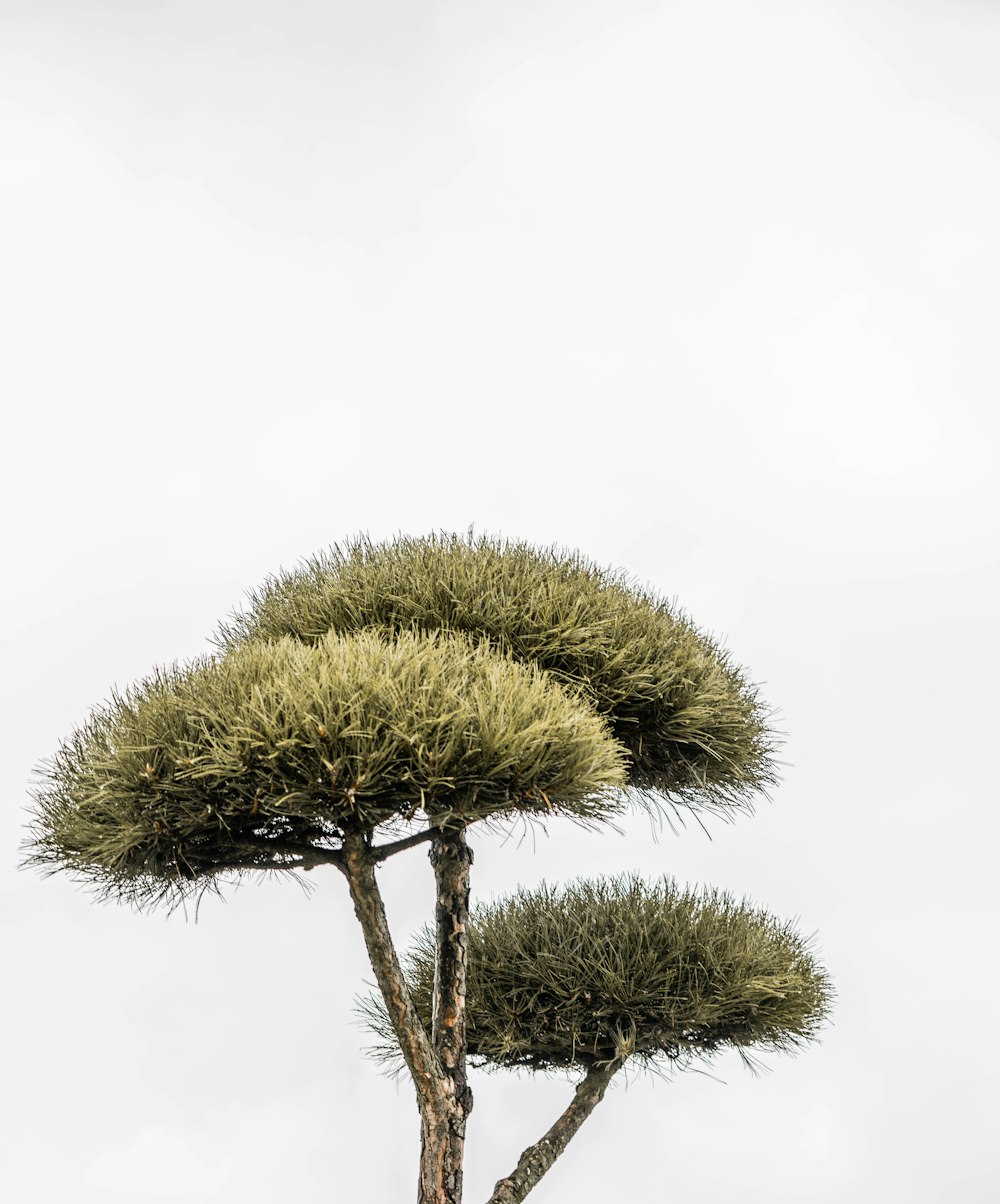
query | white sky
[707, 290]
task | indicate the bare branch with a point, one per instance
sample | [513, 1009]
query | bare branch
[537, 1158]
[379, 852]
[358, 867]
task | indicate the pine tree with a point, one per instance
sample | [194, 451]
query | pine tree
[383, 696]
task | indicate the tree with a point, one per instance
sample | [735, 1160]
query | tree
[382, 696]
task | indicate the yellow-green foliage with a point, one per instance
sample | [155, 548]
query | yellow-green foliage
[690, 719]
[617, 968]
[227, 763]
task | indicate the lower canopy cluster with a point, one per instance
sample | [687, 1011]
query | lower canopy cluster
[619, 970]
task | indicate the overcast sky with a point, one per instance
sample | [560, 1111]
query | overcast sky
[707, 290]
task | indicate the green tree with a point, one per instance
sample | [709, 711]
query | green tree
[382, 696]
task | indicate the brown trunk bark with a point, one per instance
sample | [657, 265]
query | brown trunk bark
[537, 1159]
[436, 1060]
[442, 1146]
[358, 868]
[443, 1127]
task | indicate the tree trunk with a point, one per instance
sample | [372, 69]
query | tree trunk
[442, 1148]
[443, 1127]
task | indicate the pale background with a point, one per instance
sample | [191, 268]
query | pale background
[707, 290]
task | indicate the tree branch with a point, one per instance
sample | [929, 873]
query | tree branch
[358, 867]
[379, 852]
[537, 1158]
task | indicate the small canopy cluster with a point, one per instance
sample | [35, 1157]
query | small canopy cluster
[617, 970]
[240, 760]
[692, 723]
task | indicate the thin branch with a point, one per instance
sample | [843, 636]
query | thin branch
[379, 852]
[358, 867]
[537, 1158]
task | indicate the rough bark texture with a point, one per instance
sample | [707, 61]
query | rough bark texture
[443, 1126]
[359, 869]
[537, 1159]
[451, 858]
[436, 1060]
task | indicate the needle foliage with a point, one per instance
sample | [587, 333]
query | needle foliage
[385, 695]
[616, 969]
[690, 719]
[248, 760]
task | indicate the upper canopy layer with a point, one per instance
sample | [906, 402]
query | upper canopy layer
[689, 718]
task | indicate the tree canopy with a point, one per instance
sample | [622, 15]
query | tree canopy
[691, 721]
[380, 696]
[271, 752]
[616, 969]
